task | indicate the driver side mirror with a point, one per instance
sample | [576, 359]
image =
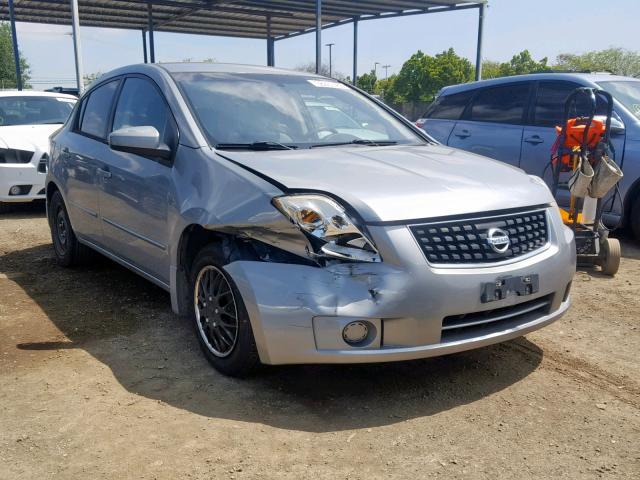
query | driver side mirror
[143, 141]
[617, 127]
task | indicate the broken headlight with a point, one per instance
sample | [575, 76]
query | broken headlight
[331, 231]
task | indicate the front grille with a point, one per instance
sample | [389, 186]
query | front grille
[479, 323]
[465, 241]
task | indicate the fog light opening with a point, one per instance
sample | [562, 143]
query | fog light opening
[15, 190]
[355, 333]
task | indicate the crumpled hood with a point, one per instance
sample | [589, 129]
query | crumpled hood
[400, 182]
[27, 137]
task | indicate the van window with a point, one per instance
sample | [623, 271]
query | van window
[449, 107]
[550, 99]
[97, 108]
[503, 104]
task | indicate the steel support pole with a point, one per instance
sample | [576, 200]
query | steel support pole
[152, 48]
[14, 39]
[354, 79]
[318, 36]
[144, 46]
[270, 44]
[479, 50]
[77, 51]
[330, 45]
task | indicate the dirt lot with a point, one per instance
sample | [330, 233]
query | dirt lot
[98, 379]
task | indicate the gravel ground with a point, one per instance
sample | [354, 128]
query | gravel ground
[99, 379]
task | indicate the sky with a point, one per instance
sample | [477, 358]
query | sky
[544, 27]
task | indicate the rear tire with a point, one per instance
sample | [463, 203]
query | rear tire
[220, 318]
[69, 251]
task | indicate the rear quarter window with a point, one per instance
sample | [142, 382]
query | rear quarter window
[449, 107]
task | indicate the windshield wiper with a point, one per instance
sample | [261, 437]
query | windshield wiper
[256, 146]
[358, 141]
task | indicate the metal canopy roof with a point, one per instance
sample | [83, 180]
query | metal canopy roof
[277, 19]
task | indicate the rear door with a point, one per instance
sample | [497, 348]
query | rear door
[493, 122]
[80, 155]
[136, 191]
[442, 115]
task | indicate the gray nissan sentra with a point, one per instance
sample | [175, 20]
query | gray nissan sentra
[294, 219]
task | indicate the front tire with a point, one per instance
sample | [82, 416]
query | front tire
[220, 318]
[69, 251]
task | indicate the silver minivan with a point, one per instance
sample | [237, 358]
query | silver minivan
[294, 219]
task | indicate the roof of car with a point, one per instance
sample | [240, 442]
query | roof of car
[34, 93]
[587, 78]
[228, 68]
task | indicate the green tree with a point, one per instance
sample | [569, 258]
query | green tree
[386, 88]
[450, 68]
[490, 69]
[422, 76]
[615, 60]
[520, 64]
[523, 63]
[7, 64]
[367, 81]
[414, 82]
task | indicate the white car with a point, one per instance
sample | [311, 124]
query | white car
[27, 119]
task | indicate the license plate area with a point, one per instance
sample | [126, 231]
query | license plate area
[508, 286]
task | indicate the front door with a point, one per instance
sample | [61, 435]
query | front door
[136, 191]
[540, 135]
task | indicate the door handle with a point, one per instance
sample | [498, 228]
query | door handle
[534, 140]
[104, 173]
[463, 134]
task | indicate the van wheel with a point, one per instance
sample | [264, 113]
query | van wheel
[220, 318]
[69, 251]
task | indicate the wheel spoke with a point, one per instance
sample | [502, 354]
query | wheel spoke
[221, 334]
[230, 310]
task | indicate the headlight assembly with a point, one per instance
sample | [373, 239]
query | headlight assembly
[331, 231]
[12, 155]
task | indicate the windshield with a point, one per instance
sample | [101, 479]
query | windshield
[626, 92]
[287, 110]
[29, 110]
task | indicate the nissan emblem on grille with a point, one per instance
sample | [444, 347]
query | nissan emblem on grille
[483, 239]
[498, 240]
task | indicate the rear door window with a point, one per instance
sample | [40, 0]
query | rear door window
[503, 104]
[449, 107]
[97, 109]
[550, 100]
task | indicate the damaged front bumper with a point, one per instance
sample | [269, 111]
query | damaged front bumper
[298, 312]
